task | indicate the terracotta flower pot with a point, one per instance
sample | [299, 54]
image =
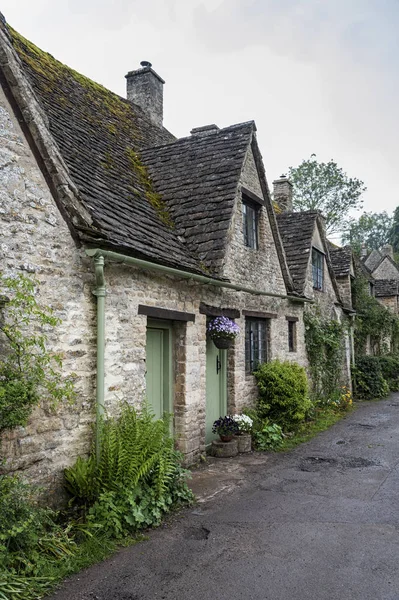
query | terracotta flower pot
[226, 438]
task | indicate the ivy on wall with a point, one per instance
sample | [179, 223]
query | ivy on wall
[28, 370]
[374, 323]
[324, 340]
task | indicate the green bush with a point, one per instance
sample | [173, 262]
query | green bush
[137, 479]
[29, 538]
[390, 371]
[369, 382]
[283, 393]
[268, 437]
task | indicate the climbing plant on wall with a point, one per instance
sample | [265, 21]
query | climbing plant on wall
[324, 339]
[374, 322]
[28, 370]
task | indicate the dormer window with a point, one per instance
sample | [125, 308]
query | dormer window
[250, 214]
[318, 269]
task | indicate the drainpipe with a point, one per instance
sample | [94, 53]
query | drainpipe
[145, 264]
[100, 293]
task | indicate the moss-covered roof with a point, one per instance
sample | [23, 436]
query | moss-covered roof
[101, 136]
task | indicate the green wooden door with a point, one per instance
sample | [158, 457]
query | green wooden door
[216, 387]
[159, 365]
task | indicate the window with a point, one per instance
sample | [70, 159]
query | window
[256, 335]
[292, 336]
[250, 223]
[317, 269]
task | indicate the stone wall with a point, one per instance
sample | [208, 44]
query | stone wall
[36, 240]
[345, 290]
[390, 302]
[326, 302]
[254, 268]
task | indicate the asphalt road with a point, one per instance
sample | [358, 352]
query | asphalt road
[320, 522]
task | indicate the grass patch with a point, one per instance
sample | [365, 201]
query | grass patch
[324, 419]
[90, 551]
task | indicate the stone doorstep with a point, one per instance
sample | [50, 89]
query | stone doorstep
[218, 476]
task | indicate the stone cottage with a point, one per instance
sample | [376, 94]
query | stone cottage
[319, 271]
[383, 272]
[137, 239]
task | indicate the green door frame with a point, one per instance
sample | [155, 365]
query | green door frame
[215, 376]
[167, 352]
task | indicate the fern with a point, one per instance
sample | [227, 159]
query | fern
[138, 472]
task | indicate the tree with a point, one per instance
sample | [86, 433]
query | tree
[327, 188]
[394, 237]
[373, 230]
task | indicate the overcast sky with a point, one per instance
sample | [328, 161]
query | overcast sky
[317, 76]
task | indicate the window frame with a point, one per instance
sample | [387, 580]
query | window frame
[292, 336]
[257, 352]
[251, 238]
[318, 270]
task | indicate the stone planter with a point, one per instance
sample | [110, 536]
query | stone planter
[224, 449]
[244, 442]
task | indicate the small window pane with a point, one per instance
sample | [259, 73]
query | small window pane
[292, 336]
[317, 269]
[250, 224]
[255, 343]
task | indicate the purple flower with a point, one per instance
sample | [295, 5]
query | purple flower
[223, 327]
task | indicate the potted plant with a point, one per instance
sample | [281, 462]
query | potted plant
[226, 428]
[223, 331]
[244, 432]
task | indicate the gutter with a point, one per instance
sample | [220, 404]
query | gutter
[145, 264]
[99, 260]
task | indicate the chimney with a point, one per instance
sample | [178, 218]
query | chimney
[282, 194]
[145, 88]
[387, 250]
[205, 130]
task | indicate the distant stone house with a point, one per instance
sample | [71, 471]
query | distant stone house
[383, 272]
[319, 270]
[137, 239]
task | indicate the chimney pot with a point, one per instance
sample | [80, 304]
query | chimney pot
[145, 88]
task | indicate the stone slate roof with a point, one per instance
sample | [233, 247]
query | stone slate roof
[100, 136]
[296, 230]
[121, 182]
[373, 260]
[341, 259]
[197, 177]
[383, 258]
[386, 287]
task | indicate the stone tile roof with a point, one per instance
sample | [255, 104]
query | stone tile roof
[373, 259]
[100, 136]
[296, 230]
[120, 181]
[197, 177]
[341, 260]
[386, 287]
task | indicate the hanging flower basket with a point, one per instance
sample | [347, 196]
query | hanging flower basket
[223, 343]
[223, 331]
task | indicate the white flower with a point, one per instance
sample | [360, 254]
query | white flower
[244, 423]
